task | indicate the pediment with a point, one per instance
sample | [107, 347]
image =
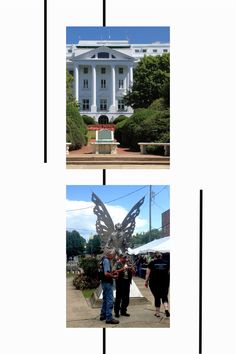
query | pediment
[103, 53]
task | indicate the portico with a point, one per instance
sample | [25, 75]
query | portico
[101, 83]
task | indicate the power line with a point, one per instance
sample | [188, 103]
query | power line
[111, 201]
[126, 195]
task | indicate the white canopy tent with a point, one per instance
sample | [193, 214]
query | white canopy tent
[161, 245]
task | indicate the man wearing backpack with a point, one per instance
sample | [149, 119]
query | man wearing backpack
[107, 287]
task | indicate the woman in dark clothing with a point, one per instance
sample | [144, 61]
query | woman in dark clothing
[158, 279]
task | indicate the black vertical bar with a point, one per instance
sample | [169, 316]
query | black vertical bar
[200, 271]
[104, 171]
[104, 13]
[104, 340]
[45, 81]
[104, 177]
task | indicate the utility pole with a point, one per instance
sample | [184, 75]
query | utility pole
[150, 212]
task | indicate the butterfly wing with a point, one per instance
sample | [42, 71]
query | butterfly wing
[104, 223]
[128, 224]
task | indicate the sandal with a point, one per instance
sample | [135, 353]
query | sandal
[157, 314]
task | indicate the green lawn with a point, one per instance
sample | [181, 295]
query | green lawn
[69, 275]
[91, 134]
[88, 292]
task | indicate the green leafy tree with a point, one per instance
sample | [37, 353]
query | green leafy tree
[75, 127]
[69, 81]
[144, 237]
[94, 245]
[74, 244]
[151, 81]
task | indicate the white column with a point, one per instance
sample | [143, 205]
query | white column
[76, 81]
[127, 80]
[113, 75]
[94, 89]
[130, 76]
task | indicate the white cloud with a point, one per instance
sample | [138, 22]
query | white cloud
[84, 219]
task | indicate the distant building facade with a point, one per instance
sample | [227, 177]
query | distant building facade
[103, 73]
[165, 217]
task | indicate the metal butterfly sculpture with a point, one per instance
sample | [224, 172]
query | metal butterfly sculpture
[118, 235]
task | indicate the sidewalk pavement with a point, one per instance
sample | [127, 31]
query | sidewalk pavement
[80, 314]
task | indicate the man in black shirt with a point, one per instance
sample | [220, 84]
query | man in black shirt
[122, 286]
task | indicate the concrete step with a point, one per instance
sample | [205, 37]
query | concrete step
[117, 158]
[119, 162]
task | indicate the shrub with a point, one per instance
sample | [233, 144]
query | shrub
[88, 120]
[158, 105]
[118, 134]
[145, 125]
[90, 267]
[155, 150]
[75, 128]
[119, 119]
[82, 282]
[89, 279]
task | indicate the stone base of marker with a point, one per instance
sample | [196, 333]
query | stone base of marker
[136, 297]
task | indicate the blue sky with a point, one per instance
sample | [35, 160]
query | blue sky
[79, 208]
[133, 34]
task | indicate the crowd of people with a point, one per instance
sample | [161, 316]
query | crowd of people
[155, 271]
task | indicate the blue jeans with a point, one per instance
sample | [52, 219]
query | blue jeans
[107, 302]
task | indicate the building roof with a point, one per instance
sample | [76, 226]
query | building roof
[105, 43]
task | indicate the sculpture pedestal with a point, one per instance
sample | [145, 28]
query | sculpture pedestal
[135, 296]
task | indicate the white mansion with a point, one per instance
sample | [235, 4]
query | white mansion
[103, 72]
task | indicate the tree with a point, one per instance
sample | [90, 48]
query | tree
[142, 238]
[151, 81]
[69, 81]
[94, 245]
[75, 127]
[74, 244]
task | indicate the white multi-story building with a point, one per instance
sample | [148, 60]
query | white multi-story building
[103, 73]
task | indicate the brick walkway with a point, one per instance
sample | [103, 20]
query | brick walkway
[87, 150]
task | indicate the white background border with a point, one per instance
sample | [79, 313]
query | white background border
[203, 77]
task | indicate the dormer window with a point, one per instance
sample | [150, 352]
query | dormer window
[103, 55]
